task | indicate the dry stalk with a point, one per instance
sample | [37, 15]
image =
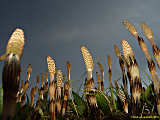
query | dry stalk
[102, 75]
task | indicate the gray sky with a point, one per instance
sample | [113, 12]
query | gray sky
[59, 28]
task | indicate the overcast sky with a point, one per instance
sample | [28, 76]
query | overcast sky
[59, 28]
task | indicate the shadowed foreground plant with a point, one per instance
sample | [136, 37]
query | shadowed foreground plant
[11, 72]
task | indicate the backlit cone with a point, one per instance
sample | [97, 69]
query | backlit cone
[51, 67]
[148, 33]
[59, 78]
[131, 28]
[88, 61]
[127, 52]
[16, 43]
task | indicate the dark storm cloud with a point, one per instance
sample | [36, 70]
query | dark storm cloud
[59, 28]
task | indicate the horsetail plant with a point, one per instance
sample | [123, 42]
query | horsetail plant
[140, 40]
[149, 34]
[11, 72]
[59, 81]
[52, 86]
[151, 65]
[89, 83]
[133, 75]
[96, 104]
